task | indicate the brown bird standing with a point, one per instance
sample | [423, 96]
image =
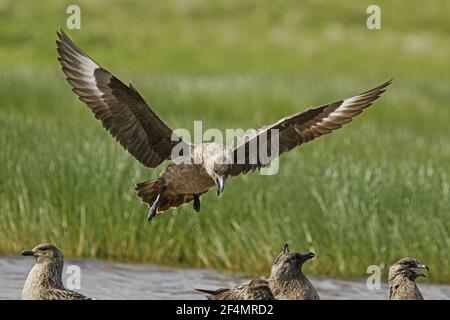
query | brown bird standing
[402, 279]
[287, 280]
[44, 281]
[195, 168]
[257, 289]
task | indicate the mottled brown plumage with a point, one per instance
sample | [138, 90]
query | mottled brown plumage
[287, 280]
[257, 289]
[44, 281]
[402, 279]
[195, 168]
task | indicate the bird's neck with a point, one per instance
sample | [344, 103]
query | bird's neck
[47, 274]
[291, 286]
[402, 287]
[290, 278]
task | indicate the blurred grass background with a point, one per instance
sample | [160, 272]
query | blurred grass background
[370, 193]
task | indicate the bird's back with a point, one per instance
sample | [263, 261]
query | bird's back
[222, 294]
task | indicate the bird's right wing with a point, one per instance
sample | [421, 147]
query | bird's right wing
[120, 108]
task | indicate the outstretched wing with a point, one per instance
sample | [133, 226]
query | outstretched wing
[297, 129]
[120, 108]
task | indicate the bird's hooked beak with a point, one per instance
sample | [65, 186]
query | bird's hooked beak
[419, 273]
[28, 253]
[220, 183]
[307, 256]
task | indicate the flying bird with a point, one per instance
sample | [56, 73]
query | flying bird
[402, 279]
[257, 289]
[194, 168]
[44, 281]
[287, 280]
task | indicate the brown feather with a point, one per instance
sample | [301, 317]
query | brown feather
[120, 108]
[257, 289]
[402, 279]
[303, 127]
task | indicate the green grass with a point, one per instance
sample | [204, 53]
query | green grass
[370, 193]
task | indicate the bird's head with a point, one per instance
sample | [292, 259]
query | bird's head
[217, 163]
[45, 253]
[220, 175]
[407, 267]
[288, 263]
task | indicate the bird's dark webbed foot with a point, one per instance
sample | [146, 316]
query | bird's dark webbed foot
[196, 203]
[153, 209]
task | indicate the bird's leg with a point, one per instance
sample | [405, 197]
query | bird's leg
[152, 211]
[196, 203]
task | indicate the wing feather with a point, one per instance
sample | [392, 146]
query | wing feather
[300, 128]
[120, 108]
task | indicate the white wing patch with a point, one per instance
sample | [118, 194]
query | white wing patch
[83, 76]
[343, 114]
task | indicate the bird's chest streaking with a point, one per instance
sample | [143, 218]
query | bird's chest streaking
[187, 178]
[42, 278]
[132, 122]
[32, 288]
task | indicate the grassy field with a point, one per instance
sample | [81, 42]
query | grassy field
[370, 193]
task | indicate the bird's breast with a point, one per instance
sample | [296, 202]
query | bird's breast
[187, 178]
[32, 288]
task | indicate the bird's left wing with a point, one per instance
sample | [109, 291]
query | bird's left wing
[297, 129]
[120, 108]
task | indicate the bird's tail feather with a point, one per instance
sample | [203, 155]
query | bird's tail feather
[149, 190]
